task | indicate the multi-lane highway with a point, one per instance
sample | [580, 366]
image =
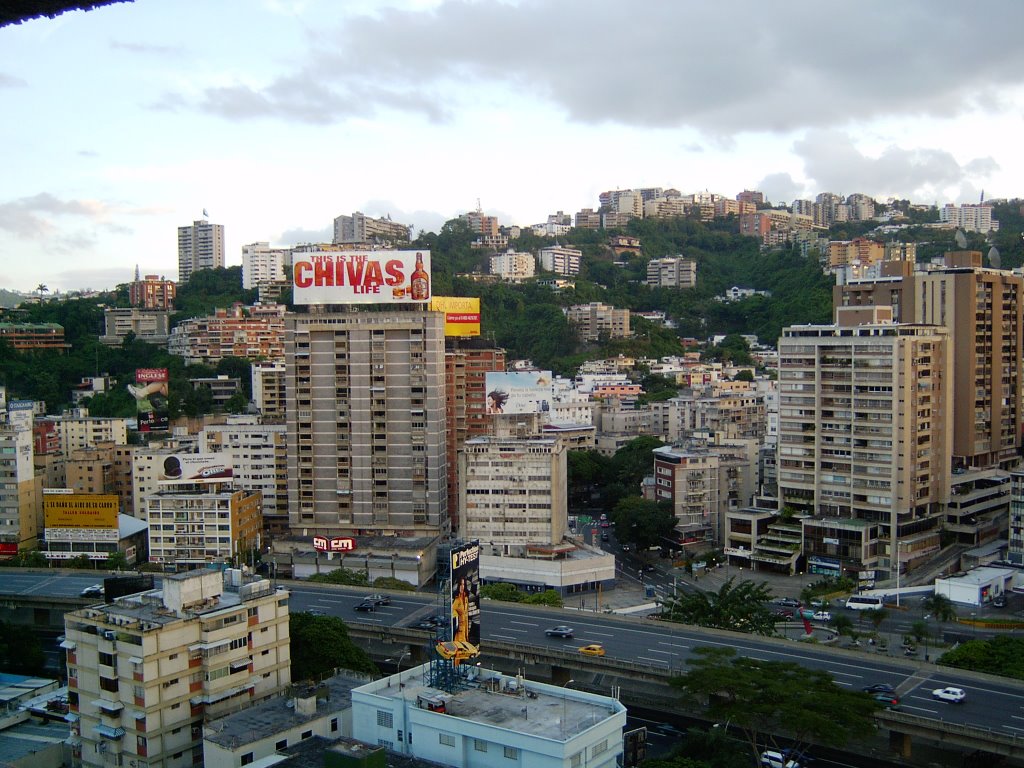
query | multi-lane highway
[991, 703]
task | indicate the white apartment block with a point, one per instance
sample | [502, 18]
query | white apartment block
[561, 261]
[152, 325]
[594, 319]
[970, 218]
[80, 430]
[500, 720]
[261, 264]
[200, 246]
[514, 266]
[145, 670]
[268, 378]
[207, 523]
[672, 272]
[513, 492]
[259, 458]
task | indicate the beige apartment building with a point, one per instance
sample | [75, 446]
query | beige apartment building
[591, 320]
[514, 492]
[147, 670]
[268, 389]
[366, 424]
[191, 527]
[256, 331]
[861, 250]
[672, 272]
[865, 430]
[983, 311]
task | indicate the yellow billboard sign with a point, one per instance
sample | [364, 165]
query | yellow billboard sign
[80, 510]
[461, 314]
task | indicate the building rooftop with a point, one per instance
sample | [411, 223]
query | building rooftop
[504, 701]
[280, 713]
[313, 753]
[30, 737]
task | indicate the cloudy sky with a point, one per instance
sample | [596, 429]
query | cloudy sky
[123, 123]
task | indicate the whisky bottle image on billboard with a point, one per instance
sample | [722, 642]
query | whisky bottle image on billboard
[419, 289]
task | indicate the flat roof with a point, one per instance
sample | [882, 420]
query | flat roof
[279, 714]
[29, 737]
[504, 701]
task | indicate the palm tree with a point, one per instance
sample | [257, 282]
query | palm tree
[41, 288]
[940, 607]
[877, 617]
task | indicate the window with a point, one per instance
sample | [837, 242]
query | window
[599, 748]
[576, 760]
[479, 745]
[512, 753]
[334, 725]
[107, 659]
[385, 719]
[282, 744]
[247, 758]
[307, 734]
[446, 739]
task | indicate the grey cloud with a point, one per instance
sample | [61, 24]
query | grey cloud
[427, 221]
[29, 217]
[9, 81]
[835, 164]
[299, 236]
[723, 68]
[145, 48]
[780, 188]
[88, 279]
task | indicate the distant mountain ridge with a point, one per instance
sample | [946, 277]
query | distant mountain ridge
[10, 299]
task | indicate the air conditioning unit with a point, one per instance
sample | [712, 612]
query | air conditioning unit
[109, 634]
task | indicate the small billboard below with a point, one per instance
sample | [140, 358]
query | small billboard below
[518, 392]
[461, 314]
[336, 544]
[196, 468]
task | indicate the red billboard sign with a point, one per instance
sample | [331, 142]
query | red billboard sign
[336, 544]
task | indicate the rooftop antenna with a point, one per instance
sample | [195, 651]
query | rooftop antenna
[478, 208]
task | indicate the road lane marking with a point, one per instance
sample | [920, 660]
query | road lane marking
[503, 637]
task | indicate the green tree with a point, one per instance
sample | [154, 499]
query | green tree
[765, 699]
[388, 582]
[1002, 655]
[81, 562]
[237, 403]
[940, 607]
[741, 607]
[341, 576]
[629, 466]
[20, 650]
[547, 597]
[503, 591]
[320, 644]
[116, 561]
[842, 624]
[642, 522]
[586, 472]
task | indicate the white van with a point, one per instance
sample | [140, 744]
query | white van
[864, 603]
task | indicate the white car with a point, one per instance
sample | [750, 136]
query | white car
[822, 616]
[950, 694]
[772, 758]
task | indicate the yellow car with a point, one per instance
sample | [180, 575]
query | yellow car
[594, 649]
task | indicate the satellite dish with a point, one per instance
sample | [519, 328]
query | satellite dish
[994, 260]
[960, 238]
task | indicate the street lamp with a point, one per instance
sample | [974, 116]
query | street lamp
[400, 659]
[898, 543]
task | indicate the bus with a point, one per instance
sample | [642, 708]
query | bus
[864, 603]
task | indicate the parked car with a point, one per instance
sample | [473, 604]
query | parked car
[879, 688]
[594, 649]
[95, 590]
[786, 602]
[825, 616]
[560, 631]
[999, 601]
[950, 694]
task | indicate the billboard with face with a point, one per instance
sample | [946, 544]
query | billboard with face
[466, 597]
[361, 277]
[518, 392]
[150, 393]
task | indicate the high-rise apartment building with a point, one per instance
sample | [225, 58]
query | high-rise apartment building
[560, 260]
[268, 389]
[146, 669]
[152, 292]
[672, 272]
[514, 266]
[366, 423]
[865, 432]
[970, 218]
[594, 319]
[360, 228]
[200, 246]
[983, 310]
[21, 502]
[263, 264]
[252, 332]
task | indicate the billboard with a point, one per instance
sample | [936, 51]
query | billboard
[518, 392]
[465, 561]
[196, 468]
[150, 393]
[361, 277]
[80, 510]
[461, 314]
[336, 544]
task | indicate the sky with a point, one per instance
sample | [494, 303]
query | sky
[276, 116]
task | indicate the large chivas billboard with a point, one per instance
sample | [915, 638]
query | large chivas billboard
[361, 277]
[461, 314]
